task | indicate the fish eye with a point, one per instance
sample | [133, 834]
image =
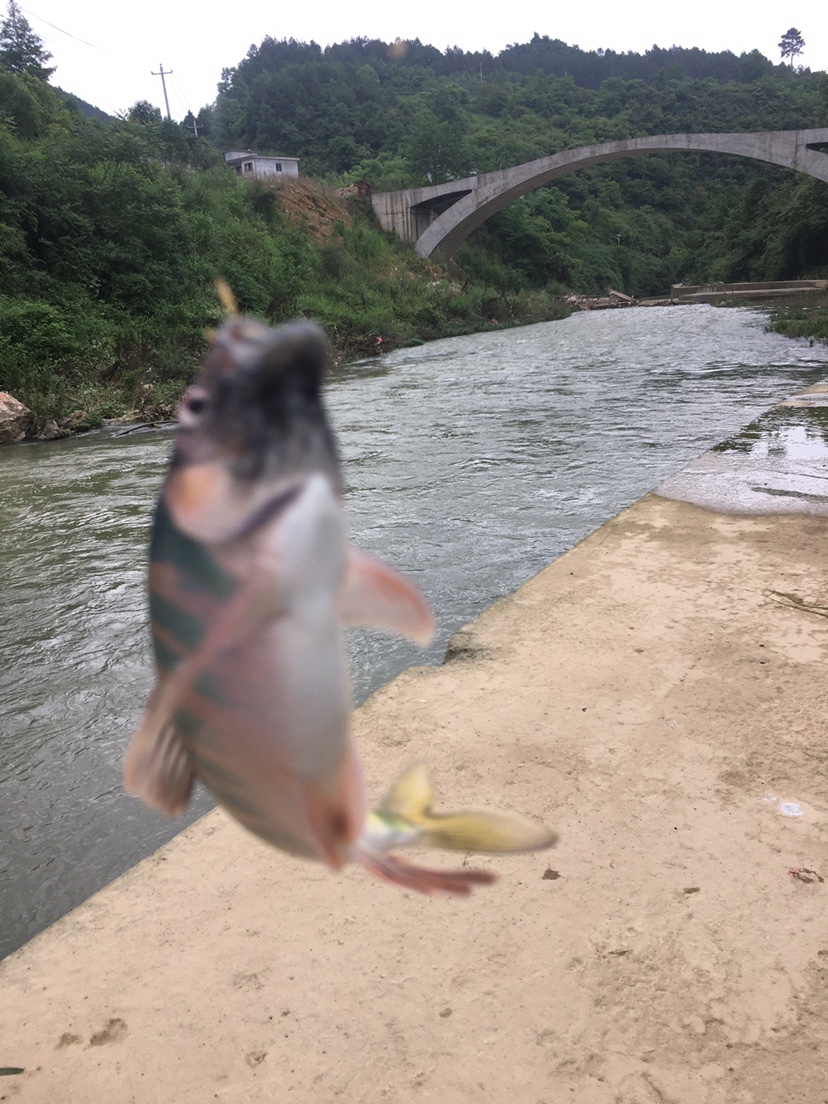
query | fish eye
[194, 403]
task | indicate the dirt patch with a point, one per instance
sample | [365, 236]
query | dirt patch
[115, 1030]
[312, 207]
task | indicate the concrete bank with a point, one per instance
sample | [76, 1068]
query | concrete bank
[659, 695]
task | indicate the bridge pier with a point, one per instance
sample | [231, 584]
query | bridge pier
[411, 212]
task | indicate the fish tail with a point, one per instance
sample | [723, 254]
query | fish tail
[486, 830]
[411, 799]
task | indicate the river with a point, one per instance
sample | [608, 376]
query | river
[470, 463]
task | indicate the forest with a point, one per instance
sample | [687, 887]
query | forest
[408, 115]
[113, 230]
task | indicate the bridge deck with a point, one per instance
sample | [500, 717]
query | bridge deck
[411, 213]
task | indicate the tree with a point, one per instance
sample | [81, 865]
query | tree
[792, 44]
[143, 112]
[435, 149]
[21, 50]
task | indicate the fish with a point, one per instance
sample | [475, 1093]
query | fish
[252, 581]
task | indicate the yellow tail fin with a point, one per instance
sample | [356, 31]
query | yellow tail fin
[411, 799]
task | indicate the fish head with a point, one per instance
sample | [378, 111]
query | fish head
[253, 429]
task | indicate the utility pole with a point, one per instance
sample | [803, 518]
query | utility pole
[164, 73]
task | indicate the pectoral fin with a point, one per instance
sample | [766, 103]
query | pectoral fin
[375, 596]
[158, 768]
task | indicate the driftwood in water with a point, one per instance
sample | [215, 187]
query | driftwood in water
[620, 295]
[145, 425]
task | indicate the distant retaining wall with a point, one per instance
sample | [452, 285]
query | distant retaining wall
[681, 292]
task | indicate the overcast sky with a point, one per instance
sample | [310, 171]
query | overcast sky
[105, 52]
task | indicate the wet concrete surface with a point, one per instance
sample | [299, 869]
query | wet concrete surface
[778, 464]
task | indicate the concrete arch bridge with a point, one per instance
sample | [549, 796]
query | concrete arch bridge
[440, 218]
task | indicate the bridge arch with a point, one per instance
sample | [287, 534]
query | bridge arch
[413, 213]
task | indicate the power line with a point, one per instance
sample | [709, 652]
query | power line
[55, 28]
[178, 92]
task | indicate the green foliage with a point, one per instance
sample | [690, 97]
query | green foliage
[45, 351]
[111, 233]
[28, 107]
[107, 257]
[110, 240]
[436, 150]
[21, 50]
[408, 115]
[801, 321]
[792, 44]
[143, 112]
[772, 229]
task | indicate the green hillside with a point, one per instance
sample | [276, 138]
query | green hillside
[409, 116]
[112, 231]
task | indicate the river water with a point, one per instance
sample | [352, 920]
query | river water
[470, 463]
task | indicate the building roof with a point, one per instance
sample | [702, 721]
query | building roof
[243, 155]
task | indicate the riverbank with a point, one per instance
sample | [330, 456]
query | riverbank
[133, 402]
[658, 695]
[143, 396]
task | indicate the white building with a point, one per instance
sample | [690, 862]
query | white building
[247, 163]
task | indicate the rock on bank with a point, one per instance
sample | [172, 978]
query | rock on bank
[649, 695]
[18, 423]
[15, 419]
